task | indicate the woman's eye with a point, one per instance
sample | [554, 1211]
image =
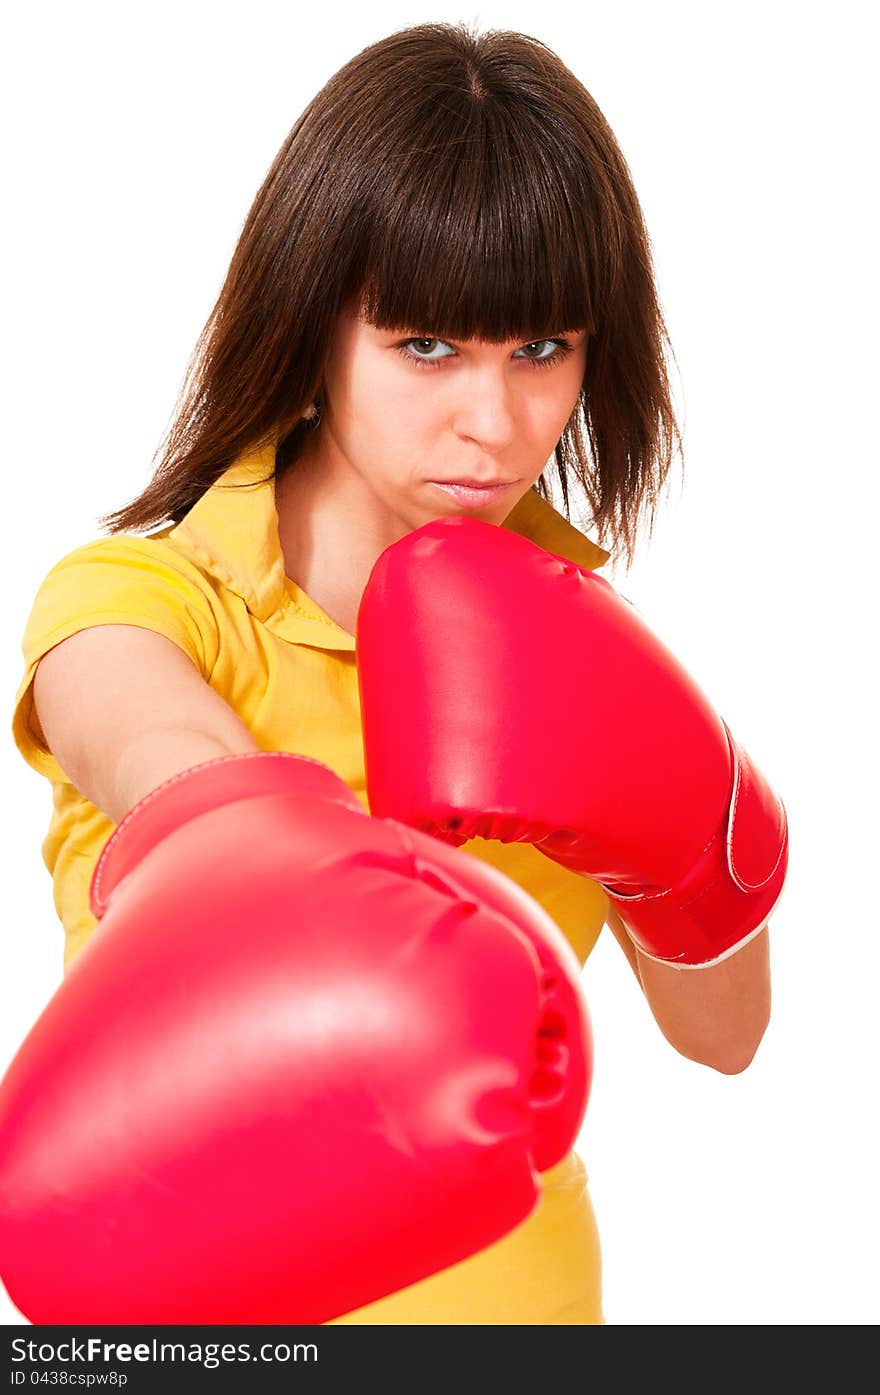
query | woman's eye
[421, 357]
[561, 348]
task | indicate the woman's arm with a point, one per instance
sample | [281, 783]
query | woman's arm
[122, 709]
[715, 1016]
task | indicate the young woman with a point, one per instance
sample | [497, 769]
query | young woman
[443, 284]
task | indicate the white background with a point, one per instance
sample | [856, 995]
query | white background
[136, 138]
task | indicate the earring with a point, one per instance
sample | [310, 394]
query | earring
[312, 414]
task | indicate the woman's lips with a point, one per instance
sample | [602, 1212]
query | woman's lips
[474, 498]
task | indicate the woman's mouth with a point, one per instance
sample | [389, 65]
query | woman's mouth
[473, 496]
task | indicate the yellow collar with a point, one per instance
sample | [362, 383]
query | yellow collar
[232, 531]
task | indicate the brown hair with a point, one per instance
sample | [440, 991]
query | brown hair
[465, 183]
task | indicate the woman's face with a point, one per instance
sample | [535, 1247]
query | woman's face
[405, 412]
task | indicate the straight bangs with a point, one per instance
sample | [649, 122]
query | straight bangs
[500, 234]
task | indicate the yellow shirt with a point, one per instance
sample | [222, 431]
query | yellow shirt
[215, 584]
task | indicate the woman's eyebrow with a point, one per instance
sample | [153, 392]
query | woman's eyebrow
[416, 331]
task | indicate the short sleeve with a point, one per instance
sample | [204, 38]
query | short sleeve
[121, 580]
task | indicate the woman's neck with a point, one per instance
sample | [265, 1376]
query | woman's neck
[332, 528]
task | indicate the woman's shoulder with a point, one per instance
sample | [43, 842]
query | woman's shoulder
[121, 579]
[124, 572]
[159, 552]
[124, 579]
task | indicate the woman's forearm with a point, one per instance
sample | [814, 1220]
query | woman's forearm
[157, 755]
[715, 1016]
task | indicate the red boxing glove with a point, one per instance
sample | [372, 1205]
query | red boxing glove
[307, 1058]
[508, 693]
